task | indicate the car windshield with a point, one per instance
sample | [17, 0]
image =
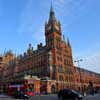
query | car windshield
[75, 92]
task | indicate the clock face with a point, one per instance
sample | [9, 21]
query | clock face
[49, 28]
[57, 27]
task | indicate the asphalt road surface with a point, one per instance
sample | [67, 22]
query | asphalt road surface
[4, 97]
[51, 97]
[54, 97]
[95, 97]
[45, 97]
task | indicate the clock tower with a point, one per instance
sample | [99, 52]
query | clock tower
[52, 30]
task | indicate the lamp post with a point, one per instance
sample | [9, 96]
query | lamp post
[78, 63]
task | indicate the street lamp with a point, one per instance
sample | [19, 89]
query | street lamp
[78, 63]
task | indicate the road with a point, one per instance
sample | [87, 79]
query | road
[95, 97]
[51, 97]
[4, 97]
[54, 97]
[45, 97]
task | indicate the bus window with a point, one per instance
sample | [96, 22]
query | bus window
[30, 87]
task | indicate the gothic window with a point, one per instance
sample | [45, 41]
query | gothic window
[64, 61]
[66, 78]
[61, 77]
[60, 69]
[58, 58]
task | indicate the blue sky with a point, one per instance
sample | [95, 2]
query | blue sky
[22, 22]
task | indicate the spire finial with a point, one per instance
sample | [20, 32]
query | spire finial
[51, 9]
[51, 3]
[52, 14]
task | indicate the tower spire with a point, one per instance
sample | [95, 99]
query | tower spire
[52, 14]
[52, 24]
[51, 9]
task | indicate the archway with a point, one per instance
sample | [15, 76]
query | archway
[53, 89]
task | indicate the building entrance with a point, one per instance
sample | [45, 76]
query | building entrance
[53, 89]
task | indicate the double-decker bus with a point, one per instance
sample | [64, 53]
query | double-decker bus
[29, 85]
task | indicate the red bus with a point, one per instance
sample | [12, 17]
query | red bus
[29, 86]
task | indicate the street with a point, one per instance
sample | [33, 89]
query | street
[95, 97]
[54, 97]
[50, 97]
[4, 97]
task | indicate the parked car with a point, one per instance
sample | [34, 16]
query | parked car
[68, 94]
[20, 95]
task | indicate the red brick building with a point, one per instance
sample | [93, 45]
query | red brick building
[53, 61]
[86, 76]
[4, 60]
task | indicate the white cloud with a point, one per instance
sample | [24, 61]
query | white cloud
[90, 61]
[72, 9]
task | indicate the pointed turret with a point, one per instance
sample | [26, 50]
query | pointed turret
[52, 25]
[63, 38]
[52, 29]
[52, 15]
[30, 49]
[68, 42]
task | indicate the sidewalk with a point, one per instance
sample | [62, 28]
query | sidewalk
[92, 95]
[3, 96]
